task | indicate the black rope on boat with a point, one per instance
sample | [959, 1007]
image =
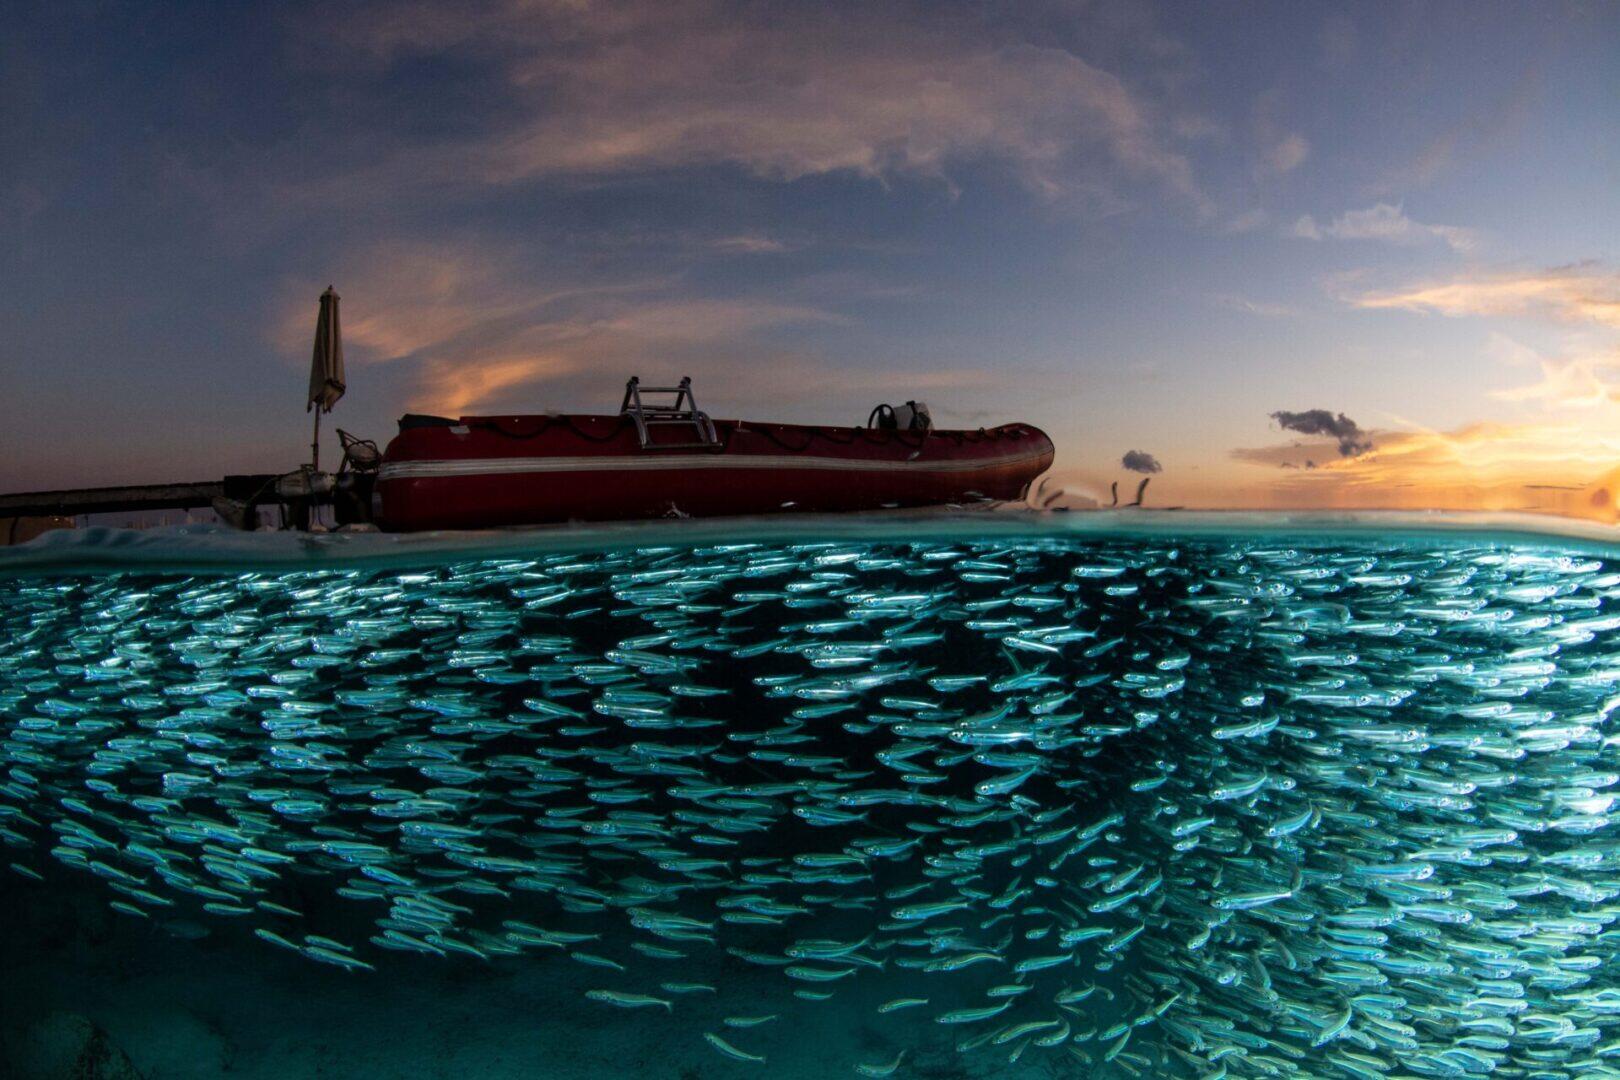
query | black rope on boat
[546, 423]
[874, 436]
[773, 437]
[609, 437]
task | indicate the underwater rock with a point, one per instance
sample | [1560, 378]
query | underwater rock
[66, 1046]
[174, 1044]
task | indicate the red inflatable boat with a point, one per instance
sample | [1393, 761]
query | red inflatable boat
[672, 460]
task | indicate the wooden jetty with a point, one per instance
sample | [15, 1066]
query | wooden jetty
[132, 497]
[22, 514]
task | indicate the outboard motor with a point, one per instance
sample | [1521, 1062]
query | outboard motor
[912, 416]
[356, 480]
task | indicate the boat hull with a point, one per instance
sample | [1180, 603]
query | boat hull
[482, 472]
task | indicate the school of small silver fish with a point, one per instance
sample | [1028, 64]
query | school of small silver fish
[1223, 807]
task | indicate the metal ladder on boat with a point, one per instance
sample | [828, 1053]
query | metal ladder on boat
[682, 411]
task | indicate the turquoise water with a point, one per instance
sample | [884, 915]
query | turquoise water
[922, 796]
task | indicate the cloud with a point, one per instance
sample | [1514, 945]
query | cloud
[749, 244]
[1585, 292]
[1481, 451]
[411, 295]
[1288, 153]
[1246, 222]
[1237, 302]
[1141, 461]
[1493, 121]
[1294, 455]
[1489, 448]
[1580, 381]
[1351, 440]
[592, 90]
[704, 320]
[1281, 150]
[1505, 350]
[405, 298]
[1385, 223]
[1305, 228]
[1550, 468]
[452, 388]
[462, 326]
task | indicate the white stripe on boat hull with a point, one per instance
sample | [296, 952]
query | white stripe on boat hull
[408, 470]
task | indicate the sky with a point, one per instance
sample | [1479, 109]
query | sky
[1288, 255]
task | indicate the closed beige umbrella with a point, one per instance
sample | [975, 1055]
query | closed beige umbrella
[326, 380]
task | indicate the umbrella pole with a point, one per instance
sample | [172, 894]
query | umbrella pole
[315, 443]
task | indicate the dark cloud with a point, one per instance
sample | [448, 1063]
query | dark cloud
[1353, 442]
[1141, 461]
[585, 90]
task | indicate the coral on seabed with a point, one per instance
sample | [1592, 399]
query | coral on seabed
[65, 1046]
